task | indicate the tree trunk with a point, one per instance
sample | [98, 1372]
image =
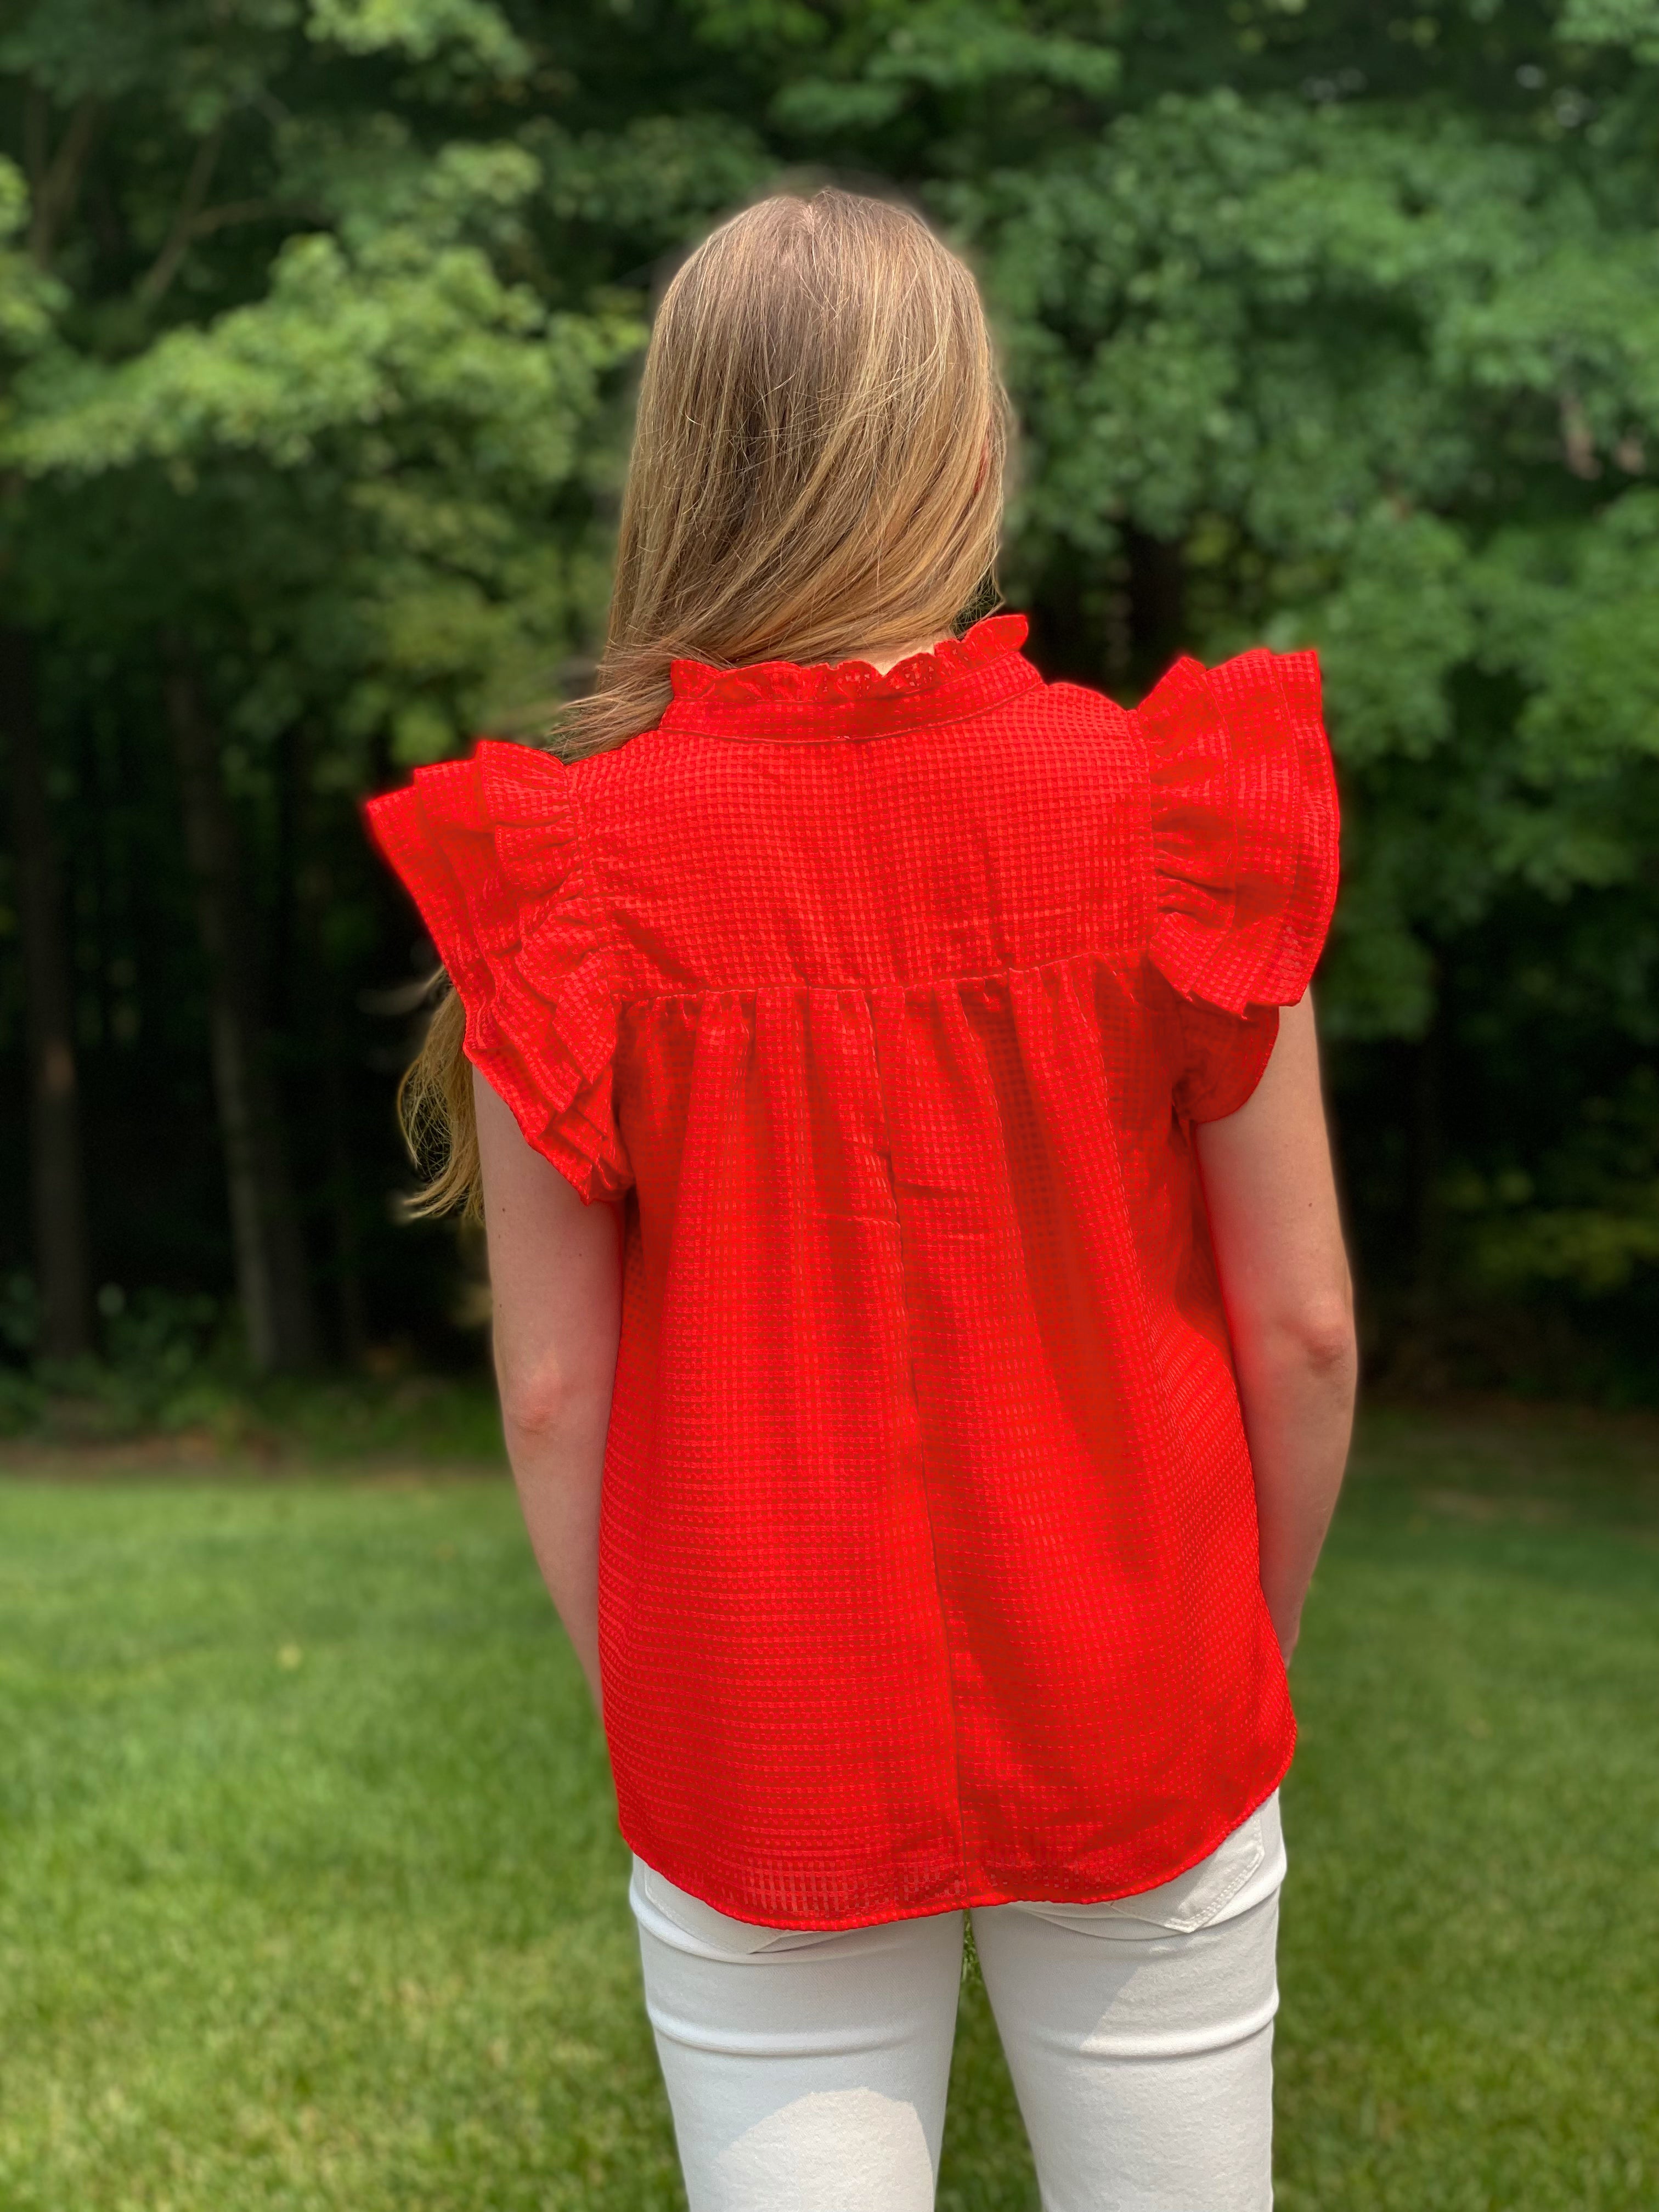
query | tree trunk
[301, 944]
[57, 1183]
[1157, 601]
[1428, 1162]
[353, 1312]
[270, 1269]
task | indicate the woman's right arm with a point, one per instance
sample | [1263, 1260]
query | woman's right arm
[1272, 1199]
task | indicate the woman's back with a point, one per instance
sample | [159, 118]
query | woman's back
[881, 1441]
[928, 1565]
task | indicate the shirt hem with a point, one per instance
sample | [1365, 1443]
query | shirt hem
[973, 1896]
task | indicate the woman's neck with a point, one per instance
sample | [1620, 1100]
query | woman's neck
[882, 658]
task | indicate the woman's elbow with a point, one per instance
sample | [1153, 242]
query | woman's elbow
[1313, 1334]
[1325, 1340]
[540, 1399]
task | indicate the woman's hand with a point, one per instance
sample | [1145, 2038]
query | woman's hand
[556, 1280]
[1272, 1200]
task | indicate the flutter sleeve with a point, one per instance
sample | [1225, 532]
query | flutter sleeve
[490, 850]
[1245, 850]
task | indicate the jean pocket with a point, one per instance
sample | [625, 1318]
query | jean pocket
[709, 1929]
[1200, 1897]
[1251, 1855]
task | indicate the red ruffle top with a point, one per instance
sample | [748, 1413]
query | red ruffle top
[884, 1004]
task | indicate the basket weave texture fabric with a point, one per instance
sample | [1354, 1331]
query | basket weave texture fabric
[882, 1005]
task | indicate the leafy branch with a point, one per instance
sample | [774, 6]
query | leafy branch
[54, 177]
[187, 223]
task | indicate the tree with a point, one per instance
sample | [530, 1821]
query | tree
[1324, 326]
[271, 1267]
[337, 498]
[1333, 329]
[58, 1183]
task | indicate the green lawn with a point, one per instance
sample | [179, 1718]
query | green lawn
[310, 1895]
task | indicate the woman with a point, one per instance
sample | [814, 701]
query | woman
[892, 1087]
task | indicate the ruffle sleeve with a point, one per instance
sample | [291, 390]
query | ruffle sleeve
[491, 853]
[1245, 852]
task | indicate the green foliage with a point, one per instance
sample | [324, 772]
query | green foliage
[1324, 327]
[470, 33]
[1633, 23]
[26, 298]
[173, 1376]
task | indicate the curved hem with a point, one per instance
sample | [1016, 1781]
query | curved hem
[1229, 1097]
[976, 1899]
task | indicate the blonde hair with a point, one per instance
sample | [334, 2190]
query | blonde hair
[817, 470]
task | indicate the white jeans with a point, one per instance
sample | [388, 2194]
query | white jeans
[807, 2071]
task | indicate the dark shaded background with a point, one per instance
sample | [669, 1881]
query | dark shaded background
[1325, 326]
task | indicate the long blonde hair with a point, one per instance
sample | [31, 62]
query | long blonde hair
[817, 470]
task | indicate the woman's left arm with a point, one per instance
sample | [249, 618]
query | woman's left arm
[555, 1282]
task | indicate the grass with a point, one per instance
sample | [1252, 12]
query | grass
[311, 1897]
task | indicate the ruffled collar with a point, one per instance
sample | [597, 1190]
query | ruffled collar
[790, 700]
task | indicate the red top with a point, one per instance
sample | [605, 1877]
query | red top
[928, 1572]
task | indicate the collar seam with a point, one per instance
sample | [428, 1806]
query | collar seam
[715, 722]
